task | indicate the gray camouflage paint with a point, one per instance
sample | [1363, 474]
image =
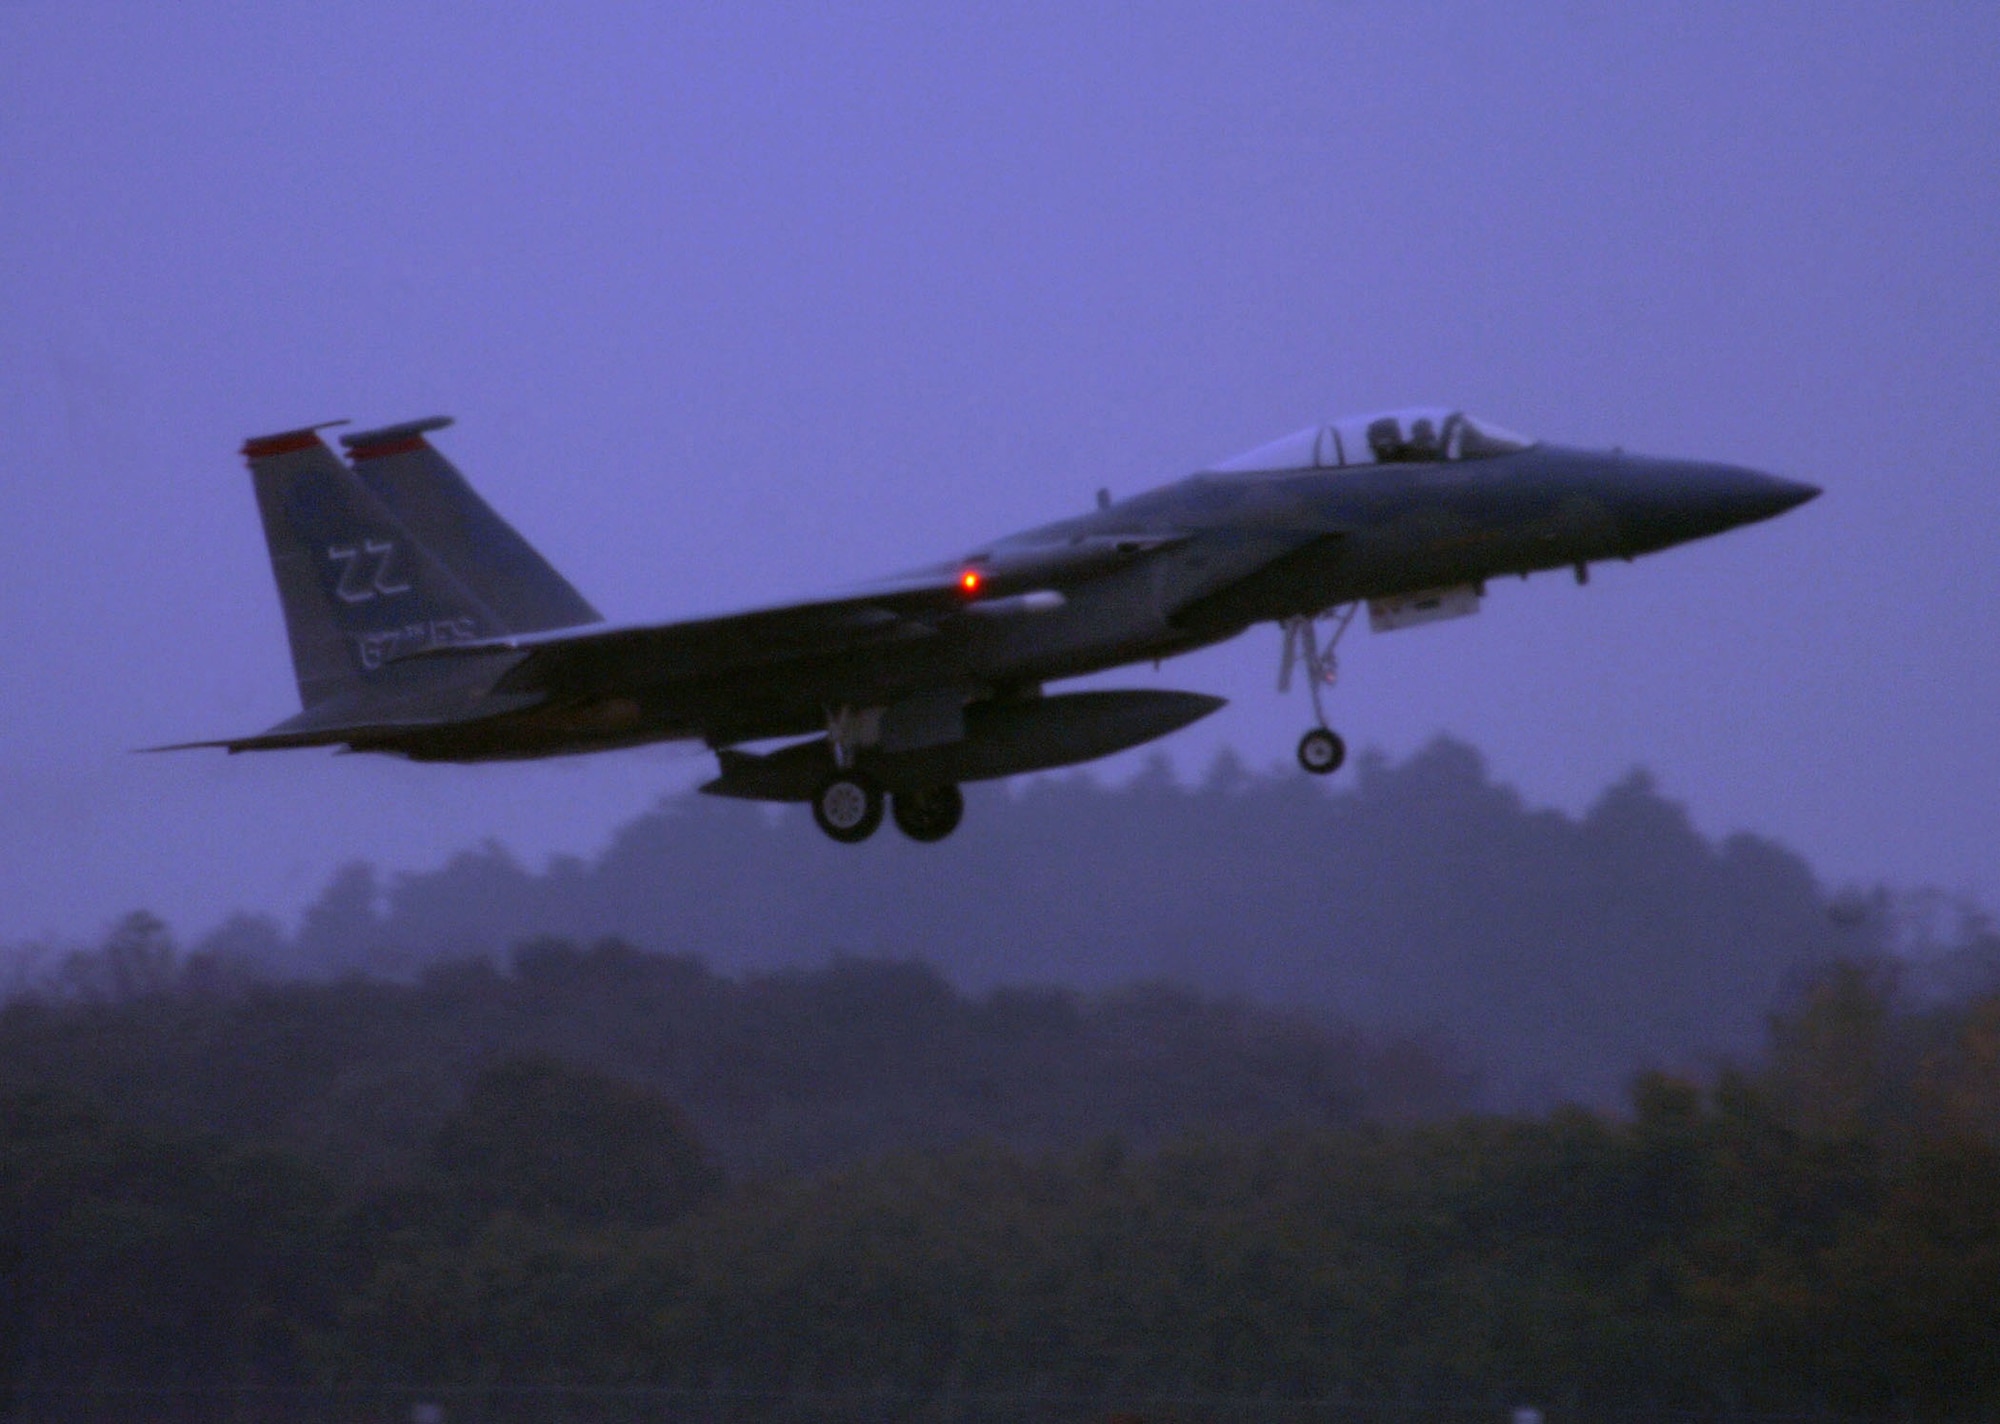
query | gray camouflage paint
[423, 625]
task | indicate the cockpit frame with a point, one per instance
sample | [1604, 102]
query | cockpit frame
[1414, 435]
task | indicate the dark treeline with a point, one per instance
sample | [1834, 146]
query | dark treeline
[1243, 1089]
[1819, 1231]
[784, 1071]
[1558, 951]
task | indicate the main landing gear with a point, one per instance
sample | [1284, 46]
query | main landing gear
[928, 815]
[1321, 751]
[848, 806]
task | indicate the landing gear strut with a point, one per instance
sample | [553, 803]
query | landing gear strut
[1321, 751]
[848, 804]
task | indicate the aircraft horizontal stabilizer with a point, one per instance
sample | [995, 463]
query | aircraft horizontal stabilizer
[346, 726]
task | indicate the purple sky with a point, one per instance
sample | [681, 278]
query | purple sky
[765, 301]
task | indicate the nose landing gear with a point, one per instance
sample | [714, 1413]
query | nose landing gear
[1321, 751]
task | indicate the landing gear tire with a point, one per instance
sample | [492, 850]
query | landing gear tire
[1321, 752]
[928, 815]
[848, 807]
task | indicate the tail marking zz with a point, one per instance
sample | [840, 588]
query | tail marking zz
[356, 584]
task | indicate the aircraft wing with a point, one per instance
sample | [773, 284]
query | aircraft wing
[916, 605]
[703, 647]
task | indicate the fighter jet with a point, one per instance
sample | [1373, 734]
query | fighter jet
[421, 624]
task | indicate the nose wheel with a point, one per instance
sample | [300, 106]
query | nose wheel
[1321, 751]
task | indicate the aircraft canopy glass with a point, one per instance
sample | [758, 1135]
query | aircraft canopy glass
[1418, 435]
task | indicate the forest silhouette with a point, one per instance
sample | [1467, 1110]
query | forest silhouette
[1557, 953]
[1235, 1092]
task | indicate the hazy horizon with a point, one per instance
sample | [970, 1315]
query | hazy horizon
[281, 864]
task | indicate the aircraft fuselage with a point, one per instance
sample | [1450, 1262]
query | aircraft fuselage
[423, 625]
[1257, 549]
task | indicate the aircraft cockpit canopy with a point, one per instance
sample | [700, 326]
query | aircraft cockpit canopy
[1418, 435]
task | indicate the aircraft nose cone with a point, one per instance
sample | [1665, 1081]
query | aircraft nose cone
[1798, 492]
[1672, 501]
[1741, 496]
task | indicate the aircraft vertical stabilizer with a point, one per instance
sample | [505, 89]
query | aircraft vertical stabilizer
[358, 590]
[436, 504]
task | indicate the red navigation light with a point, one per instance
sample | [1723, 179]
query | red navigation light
[969, 582]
